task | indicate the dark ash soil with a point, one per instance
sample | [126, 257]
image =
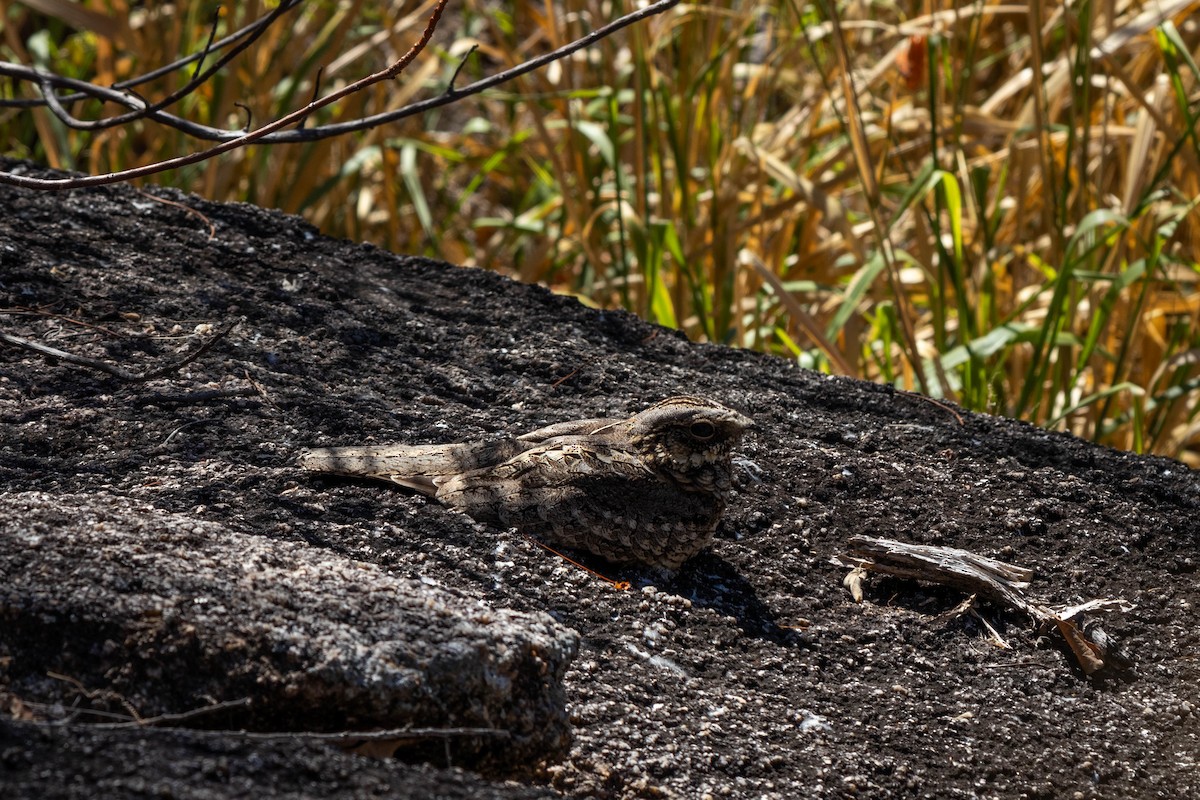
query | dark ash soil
[750, 673]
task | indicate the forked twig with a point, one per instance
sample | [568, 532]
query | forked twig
[273, 133]
[392, 71]
[254, 29]
[118, 372]
[124, 94]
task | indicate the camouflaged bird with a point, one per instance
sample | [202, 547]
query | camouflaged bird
[648, 489]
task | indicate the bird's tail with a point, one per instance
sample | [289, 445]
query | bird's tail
[414, 466]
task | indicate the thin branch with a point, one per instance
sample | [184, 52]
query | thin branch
[495, 80]
[352, 737]
[462, 63]
[137, 720]
[333, 737]
[35, 312]
[119, 372]
[254, 29]
[272, 133]
[212, 228]
[98, 694]
[249, 115]
[391, 72]
[46, 81]
[943, 406]
[316, 93]
[191, 398]
[212, 34]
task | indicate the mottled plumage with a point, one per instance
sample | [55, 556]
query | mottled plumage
[650, 488]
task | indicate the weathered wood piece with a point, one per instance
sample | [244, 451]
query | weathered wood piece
[996, 580]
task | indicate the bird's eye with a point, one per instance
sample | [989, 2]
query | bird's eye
[703, 430]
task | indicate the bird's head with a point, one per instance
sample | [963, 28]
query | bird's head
[687, 436]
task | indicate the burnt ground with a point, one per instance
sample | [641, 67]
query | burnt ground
[750, 673]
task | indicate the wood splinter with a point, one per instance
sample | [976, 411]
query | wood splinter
[998, 581]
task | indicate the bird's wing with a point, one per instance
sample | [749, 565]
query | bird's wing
[568, 459]
[560, 463]
[563, 478]
[579, 427]
[594, 497]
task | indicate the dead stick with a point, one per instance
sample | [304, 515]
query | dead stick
[1002, 582]
[334, 737]
[119, 372]
[947, 565]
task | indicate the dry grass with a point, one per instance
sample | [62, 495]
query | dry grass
[928, 195]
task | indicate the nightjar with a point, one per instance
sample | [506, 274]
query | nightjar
[648, 489]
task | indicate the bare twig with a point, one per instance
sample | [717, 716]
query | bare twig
[212, 229]
[392, 71]
[273, 132]
[316, 93]
[34, 312]
[353, 737]
[244, 37]
[130, 720]
[345, 738]
[119, 372]
[101, 694]
[497, 79]
[968, 607]
[392, 738]
[943, 406]
[212, 34]
[142, 109]
[620, 586]
[157, 721]
[450, 90]
[193, 398]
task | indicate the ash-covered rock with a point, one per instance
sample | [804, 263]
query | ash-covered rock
[151, 613]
